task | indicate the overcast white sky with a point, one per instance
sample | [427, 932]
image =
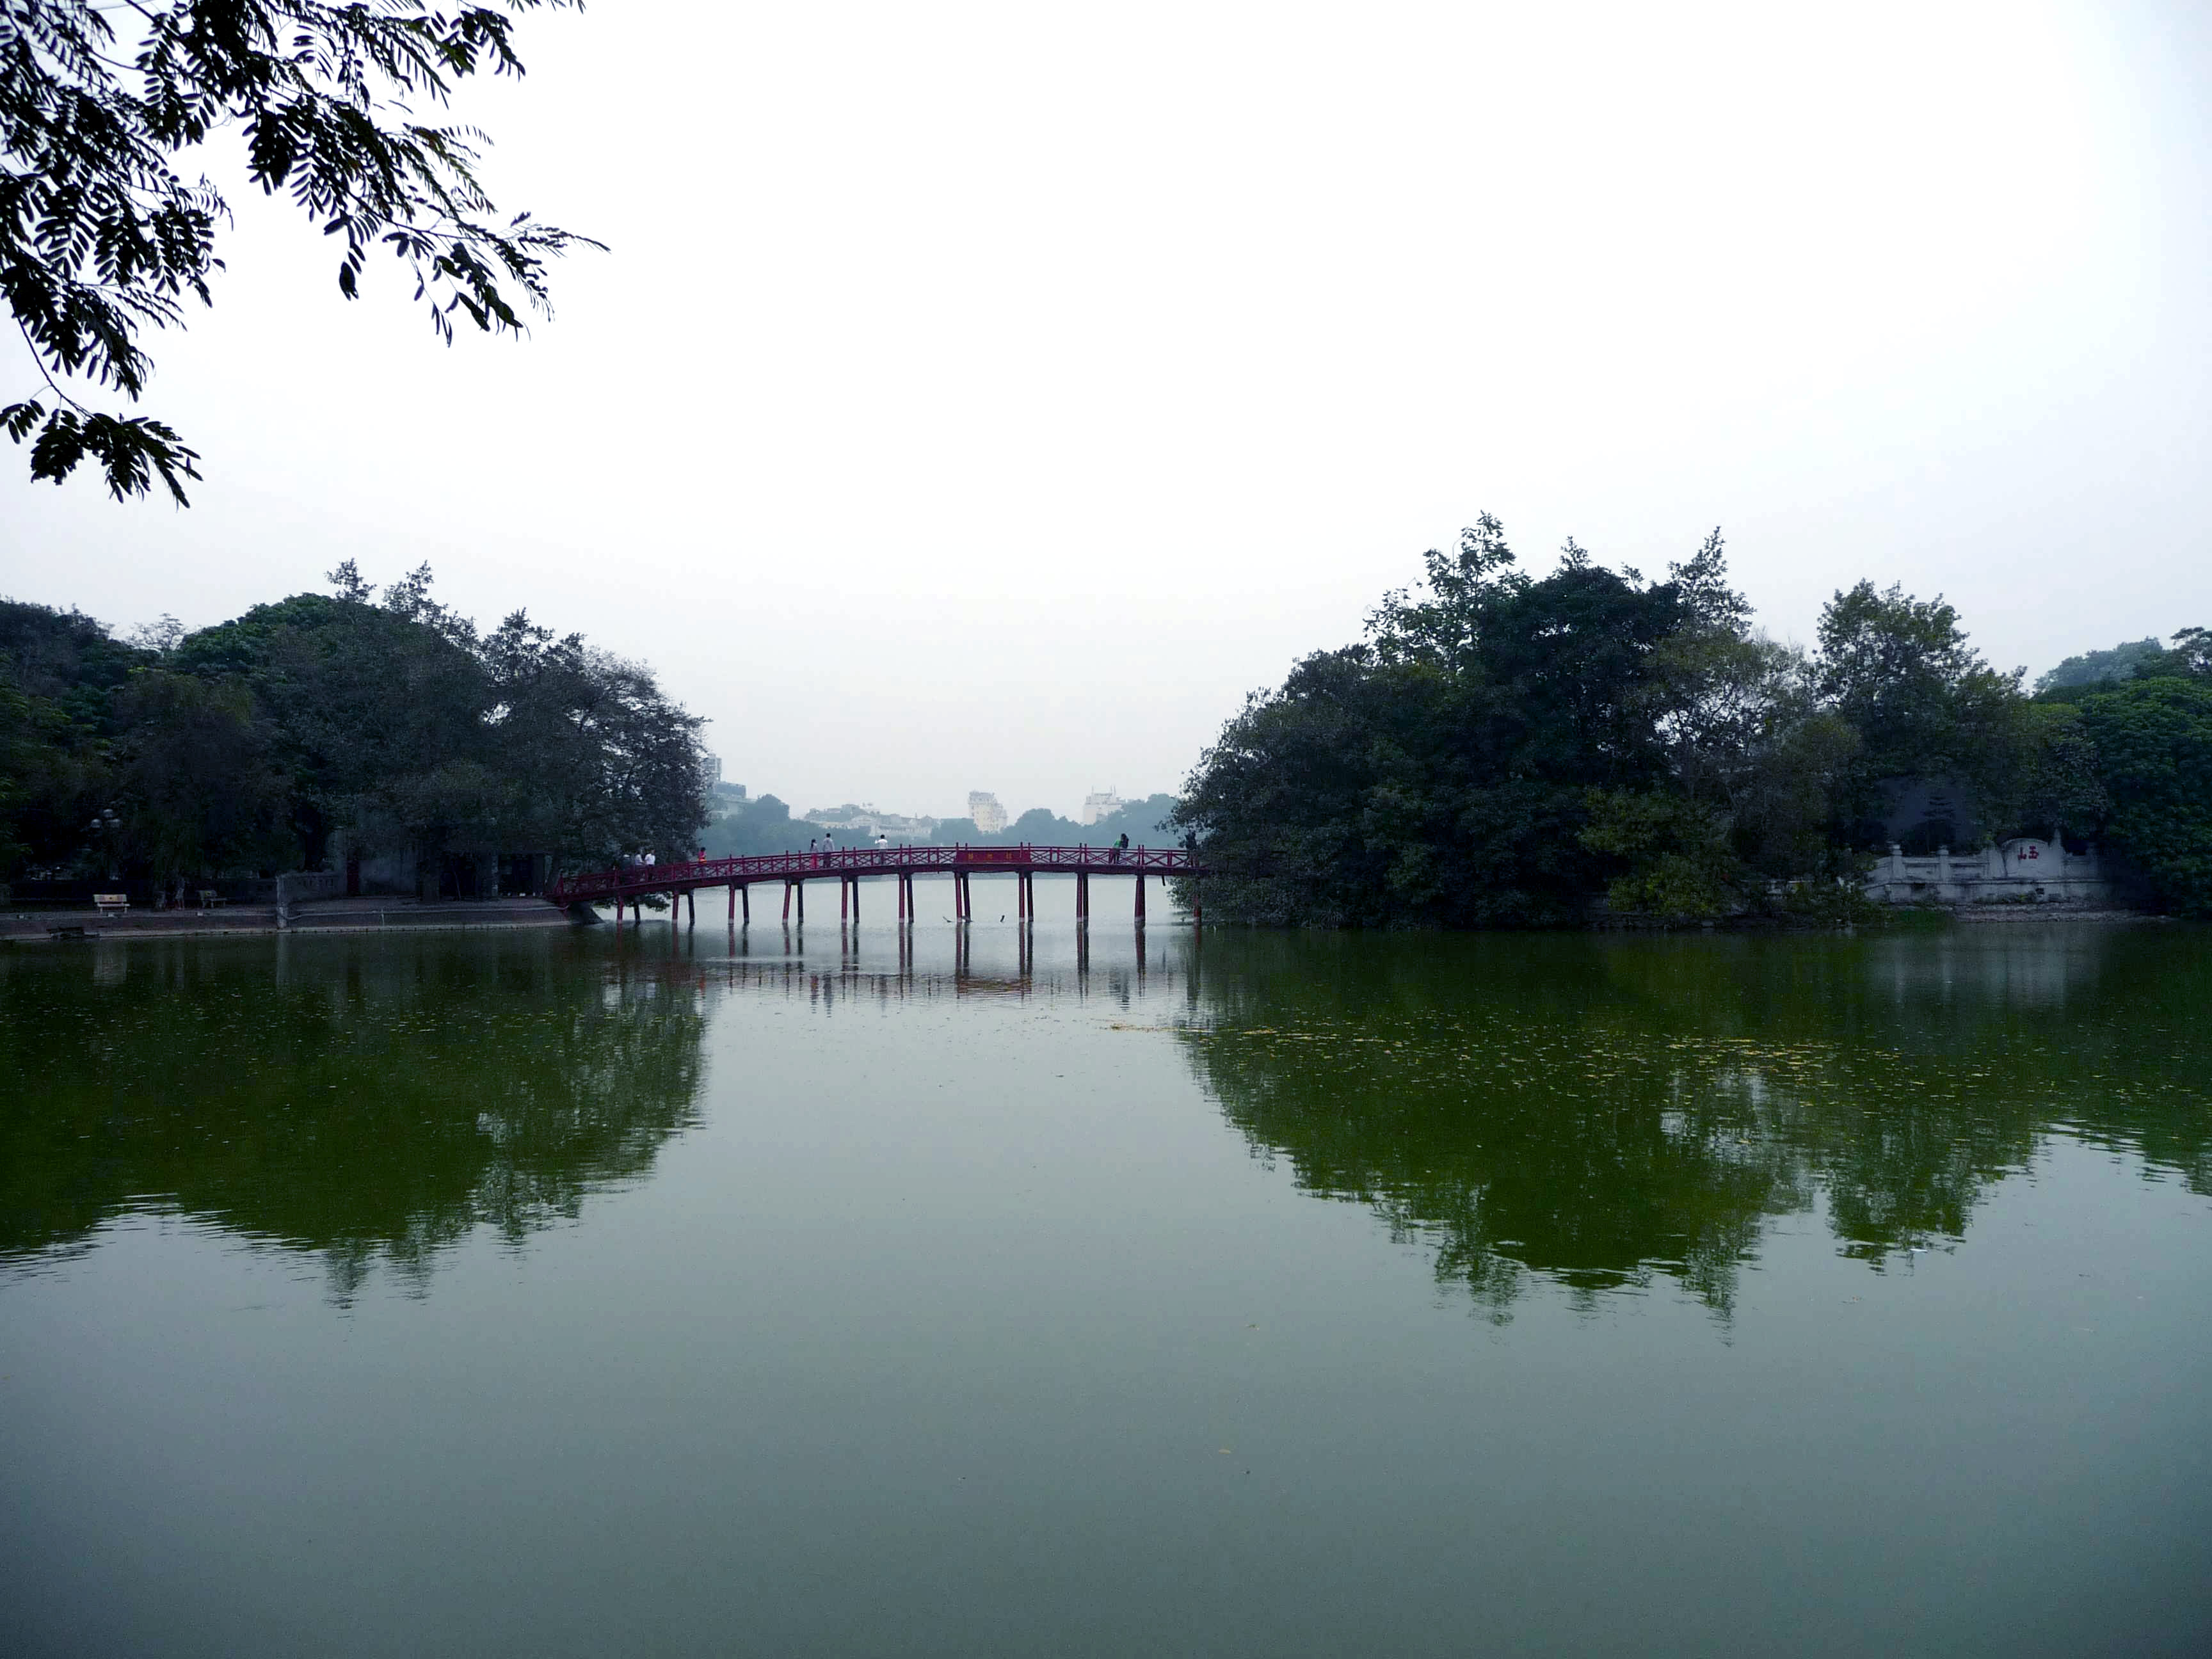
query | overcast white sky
[987, 397]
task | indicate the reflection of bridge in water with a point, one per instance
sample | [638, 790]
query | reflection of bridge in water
[887, 965]
[850, 866]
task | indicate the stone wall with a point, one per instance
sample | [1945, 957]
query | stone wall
[2021, 871]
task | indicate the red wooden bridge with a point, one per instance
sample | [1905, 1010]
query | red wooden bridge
[849, 866]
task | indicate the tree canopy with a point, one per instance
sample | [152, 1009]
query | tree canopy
[1444, 768]
[1503, 748]
[249, 744]
[103, 237]
[2152, 740]
[2096, 668]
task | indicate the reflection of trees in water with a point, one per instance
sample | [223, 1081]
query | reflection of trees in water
[373, 1101]
[1605, 1112]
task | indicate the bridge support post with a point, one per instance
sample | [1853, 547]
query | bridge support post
[856, 901]
[618, 910]
[1082, 898]
[691, 907]
[787, 901]
[843, 884]
[733, 901]
[1140, 901]
[745, 897]
[802, 900]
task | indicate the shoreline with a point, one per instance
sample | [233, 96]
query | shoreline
[259, 920]
[2052, 913]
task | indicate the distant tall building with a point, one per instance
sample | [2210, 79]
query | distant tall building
[1099, 804]
[713, 770]
[983, 807]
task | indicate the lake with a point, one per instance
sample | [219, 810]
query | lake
[828, 1293]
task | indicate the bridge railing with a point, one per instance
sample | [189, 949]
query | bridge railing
[873, 861]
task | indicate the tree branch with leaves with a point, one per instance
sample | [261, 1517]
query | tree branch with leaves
[103, 238]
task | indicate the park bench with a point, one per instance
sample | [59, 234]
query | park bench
[111, 902]
[209, 898]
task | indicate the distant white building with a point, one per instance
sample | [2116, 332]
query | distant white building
[1099, 804]
[867, 820]
[713, 770]
[983, 807]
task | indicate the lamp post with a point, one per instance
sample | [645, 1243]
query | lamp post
[105, 825]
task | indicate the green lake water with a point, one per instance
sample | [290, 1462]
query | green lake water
[554, 1293]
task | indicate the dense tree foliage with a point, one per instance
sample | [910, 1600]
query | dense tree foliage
[2099, 668]
[1147, 823]
[102, 237]
[251, 745]
[750, 829]
[1502, 748]
[1900, 672]
[2153, 739]
[1501, 745]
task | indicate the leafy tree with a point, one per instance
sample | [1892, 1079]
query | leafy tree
[1784, 813]
[1039, 827]
[60, 677]
[366, 702]
[749, 828]
[2154, 746]
[1147, 823]
[2048, 783]
[1681, 861]
[250, 743]
[198, 791]
[101, 237]
[1899, 671]
[1440, 771]
[1042, 826]
[70, 660]
[2191, 657]
[2099, 668]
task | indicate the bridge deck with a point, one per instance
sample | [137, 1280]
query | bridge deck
[856, 862]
